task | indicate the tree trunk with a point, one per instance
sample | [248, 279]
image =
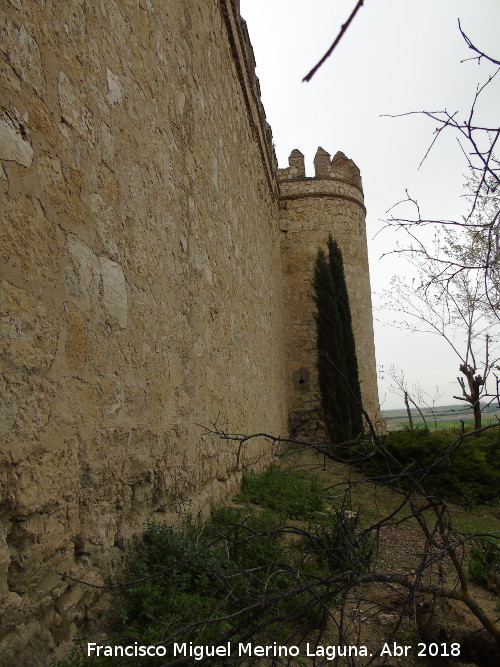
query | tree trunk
[475, 383]
[477, 415]
[408, 411]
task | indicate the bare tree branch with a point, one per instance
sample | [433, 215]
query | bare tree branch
[343, 29]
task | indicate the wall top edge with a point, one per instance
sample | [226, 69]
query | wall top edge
[244, 60]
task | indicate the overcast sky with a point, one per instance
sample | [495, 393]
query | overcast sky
[397, 56]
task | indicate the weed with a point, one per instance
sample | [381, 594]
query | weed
[484, 558]
[343, 547]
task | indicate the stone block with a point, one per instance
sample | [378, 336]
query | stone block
[114, 290]
[23, 53]
[28, 242]
[83, 272]
[13, 143]
[115, 87]
[29, 331]
[73, 109]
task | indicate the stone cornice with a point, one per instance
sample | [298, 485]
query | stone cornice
[324, 195]
[321, 188]
[323, 178]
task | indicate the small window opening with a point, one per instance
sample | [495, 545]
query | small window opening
[301, 380]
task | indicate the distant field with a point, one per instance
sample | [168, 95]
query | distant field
[445, 416]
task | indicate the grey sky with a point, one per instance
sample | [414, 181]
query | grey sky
[397, 56]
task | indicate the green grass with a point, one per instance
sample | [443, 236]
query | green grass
[481, 519]
[448, 417]
[292, 493]
[454, 425]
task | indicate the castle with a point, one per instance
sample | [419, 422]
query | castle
[156, 276]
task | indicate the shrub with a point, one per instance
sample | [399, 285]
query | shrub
[483, 560]
[191, 579]
[252, 537]
[469, 472]
[338, 544]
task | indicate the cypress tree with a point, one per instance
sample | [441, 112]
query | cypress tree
[337, 363]
[337, 270]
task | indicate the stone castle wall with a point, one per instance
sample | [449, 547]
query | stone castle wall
[142, 245]
[142, 288]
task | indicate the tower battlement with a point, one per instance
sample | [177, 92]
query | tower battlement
[339, 168]
[337, 178]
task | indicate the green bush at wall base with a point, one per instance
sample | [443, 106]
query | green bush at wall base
[469, 472]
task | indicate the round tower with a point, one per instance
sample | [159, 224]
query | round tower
[331, 202]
